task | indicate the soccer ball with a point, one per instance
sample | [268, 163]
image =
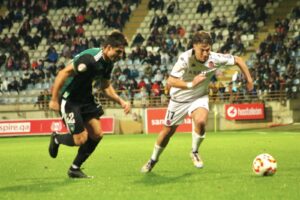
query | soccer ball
[264, 165]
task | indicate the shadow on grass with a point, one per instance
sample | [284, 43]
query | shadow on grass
[33, 185]
[151, 179]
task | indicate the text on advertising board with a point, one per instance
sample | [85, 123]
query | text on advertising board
[245, 111]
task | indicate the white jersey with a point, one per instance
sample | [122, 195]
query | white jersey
[187, 67]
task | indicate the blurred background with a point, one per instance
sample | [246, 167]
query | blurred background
[38, 38]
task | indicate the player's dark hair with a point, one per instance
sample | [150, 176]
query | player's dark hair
[202, 37]
[115, 39]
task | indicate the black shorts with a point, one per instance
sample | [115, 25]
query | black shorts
[75, 114]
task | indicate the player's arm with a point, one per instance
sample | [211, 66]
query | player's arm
[111, 93]
[243, 67]
[58, 83]
[174, 80]
[178, 83]
[79, 65]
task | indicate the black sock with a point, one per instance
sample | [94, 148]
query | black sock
[85, 151]
[66, 139]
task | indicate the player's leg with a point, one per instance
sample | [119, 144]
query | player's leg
[199, 114]
[174, 116]
[95, 135]
[66, 139]
[91, 114]
[161, 142]
[77, 133]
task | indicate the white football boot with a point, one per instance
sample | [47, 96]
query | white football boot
[148, 166]
[197, 161]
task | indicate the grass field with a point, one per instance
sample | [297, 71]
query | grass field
[27, 172]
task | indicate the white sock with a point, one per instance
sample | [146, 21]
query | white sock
[156, 152]
[75, 166]
[196, 141]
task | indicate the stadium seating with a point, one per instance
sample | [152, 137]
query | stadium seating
[186, 17]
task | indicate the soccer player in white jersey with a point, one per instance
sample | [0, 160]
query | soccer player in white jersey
[189, 80]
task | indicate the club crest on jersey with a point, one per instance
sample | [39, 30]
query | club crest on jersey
[168, 122]
[82, 67]
[211, 64]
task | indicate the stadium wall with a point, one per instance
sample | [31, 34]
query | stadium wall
[276, 113]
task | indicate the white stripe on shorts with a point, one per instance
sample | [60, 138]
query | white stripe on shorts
[62, 107]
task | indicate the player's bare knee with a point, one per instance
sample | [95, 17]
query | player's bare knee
[81, 138]
[201, 125]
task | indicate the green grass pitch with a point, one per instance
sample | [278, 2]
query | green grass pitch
[27, 171]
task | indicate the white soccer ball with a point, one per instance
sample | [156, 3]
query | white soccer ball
[264, 165]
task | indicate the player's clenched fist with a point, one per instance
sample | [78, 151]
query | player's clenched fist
[126, 106]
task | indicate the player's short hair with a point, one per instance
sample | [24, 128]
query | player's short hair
[115, 39]
[202, 37]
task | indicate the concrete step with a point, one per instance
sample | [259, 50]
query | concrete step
[140, 12]
[136, 19]
[285, 6]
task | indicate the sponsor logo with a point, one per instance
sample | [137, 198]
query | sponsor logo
[19, 127]
[245, 111]
[82, 67]
[211, 64]
[56, 126]
[232, 111]
[158, 116]
[157, 122]
[45, 126]
[187, 121]
[249, 111]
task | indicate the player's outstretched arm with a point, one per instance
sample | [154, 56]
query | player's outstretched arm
[111, 93]
[243, 67]
[58, 83]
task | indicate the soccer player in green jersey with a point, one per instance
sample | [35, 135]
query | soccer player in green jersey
[72, 96]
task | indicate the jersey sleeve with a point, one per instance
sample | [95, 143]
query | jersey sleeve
[179, 67]
[87, 59]
[224, 59]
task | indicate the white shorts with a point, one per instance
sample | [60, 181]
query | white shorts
[177, 111]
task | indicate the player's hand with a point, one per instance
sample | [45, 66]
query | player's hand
[54, 105]
[198, 79]
[126, 106]
[250, 85]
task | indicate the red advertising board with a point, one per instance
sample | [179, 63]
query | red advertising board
[44, 126]
[155, 118]
[245, 111]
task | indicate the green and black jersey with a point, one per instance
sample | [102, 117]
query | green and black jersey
[79, 87]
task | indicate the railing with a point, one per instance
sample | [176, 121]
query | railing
[143, 99]
[150, 100]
